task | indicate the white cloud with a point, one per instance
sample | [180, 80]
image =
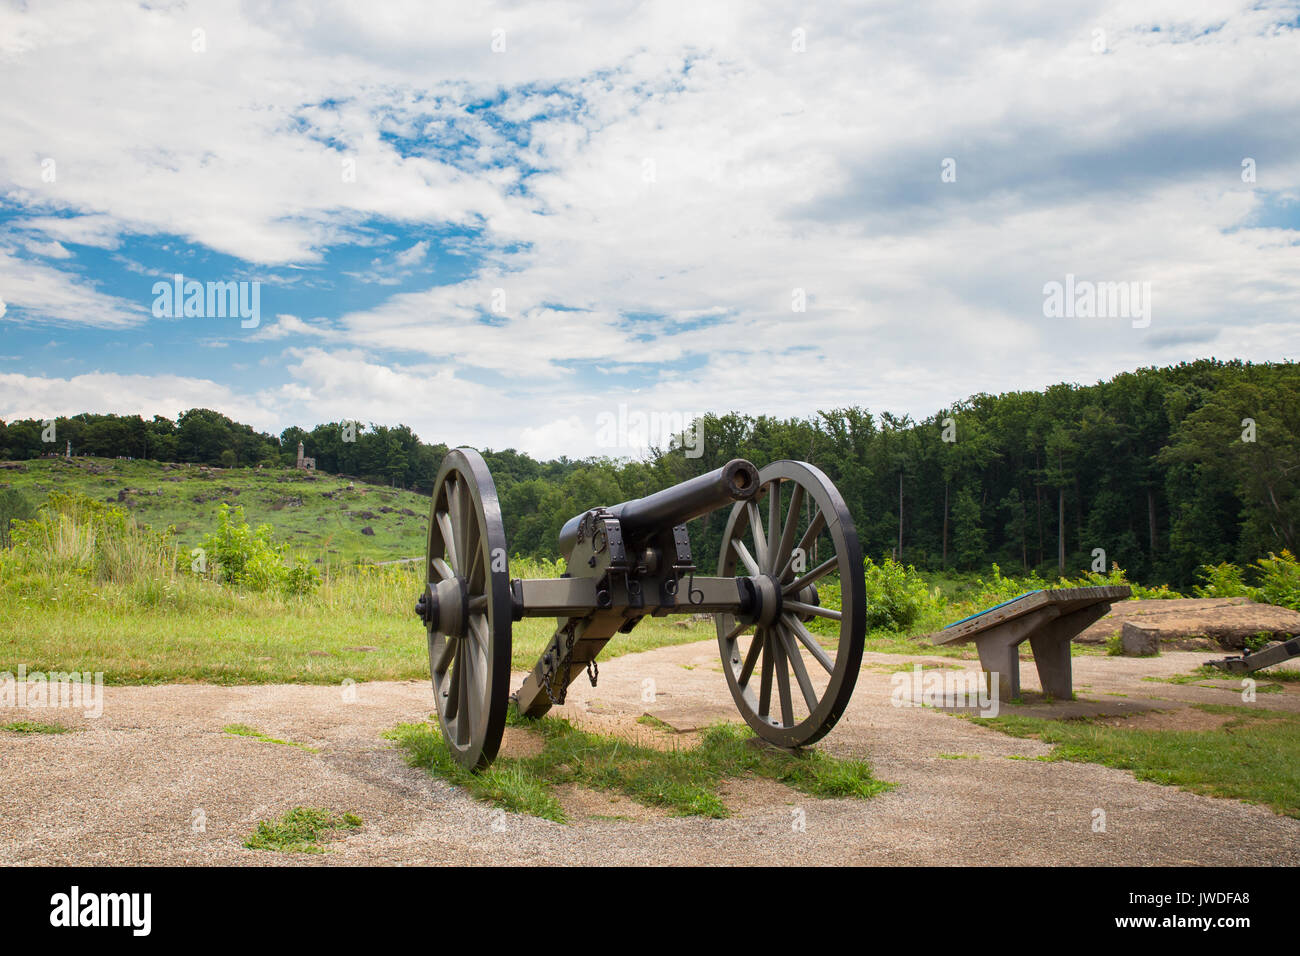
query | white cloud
[409, 257]
[30, 396]
[93, 230]
[286, 325]
[53, 250]
[49, 294]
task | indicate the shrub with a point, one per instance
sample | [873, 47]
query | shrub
[302, 577]
[1161, 592]
[249, 558]
[896, 595]
[1279, 580]
[1097, 579]
[1116, 575]
[1000, 588]
[1221, 580]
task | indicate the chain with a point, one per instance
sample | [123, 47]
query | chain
[549, 673]
[546, 686]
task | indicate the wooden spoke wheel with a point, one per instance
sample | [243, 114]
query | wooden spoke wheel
[466, 609]
[796, 539]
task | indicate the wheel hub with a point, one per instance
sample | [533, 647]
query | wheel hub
[766, 590]
[767, 602]
[444, 607]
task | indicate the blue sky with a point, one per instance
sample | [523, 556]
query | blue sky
[497, 223]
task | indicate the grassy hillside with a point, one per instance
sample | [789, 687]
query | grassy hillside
[323, 516]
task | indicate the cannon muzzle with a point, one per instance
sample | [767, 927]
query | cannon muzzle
[642, 518]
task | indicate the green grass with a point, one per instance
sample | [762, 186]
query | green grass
[301, 830]
[891, 642]
[34, 727]
[1254, 757]
[649, 720]
[684, 782]
[1206, 672]
[243, 730]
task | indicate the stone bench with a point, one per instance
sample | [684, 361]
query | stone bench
[1049, 620]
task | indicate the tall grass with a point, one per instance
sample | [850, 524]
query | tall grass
[78, 544]
[73, 534]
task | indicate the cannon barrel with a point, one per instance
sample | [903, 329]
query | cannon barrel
[642, 518]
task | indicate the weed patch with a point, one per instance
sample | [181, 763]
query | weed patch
[34, 727]
[684, 782]
[243, 730]
[301, 830]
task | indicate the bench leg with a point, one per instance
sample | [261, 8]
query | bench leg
[1051, 644]
[1000, 659]
[1052, 655]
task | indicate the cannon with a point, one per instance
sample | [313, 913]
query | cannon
[787, 535]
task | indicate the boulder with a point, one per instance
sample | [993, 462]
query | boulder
[1139, 640]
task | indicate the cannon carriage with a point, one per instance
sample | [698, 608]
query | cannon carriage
[787, 538]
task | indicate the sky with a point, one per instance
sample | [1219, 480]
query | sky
[509, 224]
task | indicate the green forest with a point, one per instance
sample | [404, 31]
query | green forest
[1163, 469]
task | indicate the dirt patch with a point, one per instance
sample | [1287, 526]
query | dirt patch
[581, 803]
[744, 797]
[754, 796]
[1034, 704]
[1182, 718]
[520, 743]
[1198, 623]
[598, 719]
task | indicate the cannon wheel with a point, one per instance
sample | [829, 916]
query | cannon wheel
[794, 537]
[471, 670]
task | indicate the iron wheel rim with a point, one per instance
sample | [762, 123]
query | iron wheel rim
[470, 674]
[785, 645]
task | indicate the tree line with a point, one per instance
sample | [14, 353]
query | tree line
[1162, 469]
